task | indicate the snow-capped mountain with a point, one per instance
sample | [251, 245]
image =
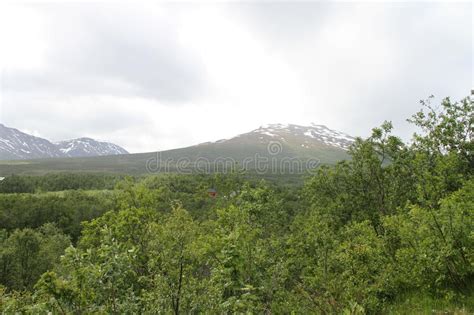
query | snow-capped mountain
[287, 142]
[306, 137]
[17, 145]
[88, 147]
[274, 148]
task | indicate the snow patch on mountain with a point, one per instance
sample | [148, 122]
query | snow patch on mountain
[17, 145]
[88, 147]
[301, 136]
[313, 133]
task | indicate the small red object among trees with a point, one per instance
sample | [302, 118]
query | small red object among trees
[212, 193]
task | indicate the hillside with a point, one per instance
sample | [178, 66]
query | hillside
[273, 148]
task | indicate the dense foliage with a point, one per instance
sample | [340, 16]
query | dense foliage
[58, 182]
[395, 222]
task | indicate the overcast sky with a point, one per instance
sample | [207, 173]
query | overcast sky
[160, 76]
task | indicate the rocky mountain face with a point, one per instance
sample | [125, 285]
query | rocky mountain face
[17, 145]
[88, 147]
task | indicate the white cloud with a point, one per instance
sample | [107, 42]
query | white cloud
[22, 40]
[170, 75]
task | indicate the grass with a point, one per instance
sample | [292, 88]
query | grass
[427, 304]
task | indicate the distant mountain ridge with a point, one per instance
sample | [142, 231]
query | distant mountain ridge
[17, 145]
[88, 147]
[290, 148]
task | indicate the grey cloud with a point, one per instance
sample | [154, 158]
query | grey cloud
[107, 49]
[61, 119]
[432, 55]
[286, 21]
[126, 51]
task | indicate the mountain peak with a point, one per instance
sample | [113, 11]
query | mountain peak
[305, 136]
[274, 126]
[15, 145]
[89, 147]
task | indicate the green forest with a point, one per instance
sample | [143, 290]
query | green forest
[388, 231]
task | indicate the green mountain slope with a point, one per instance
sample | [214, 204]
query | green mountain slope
[277, 149]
